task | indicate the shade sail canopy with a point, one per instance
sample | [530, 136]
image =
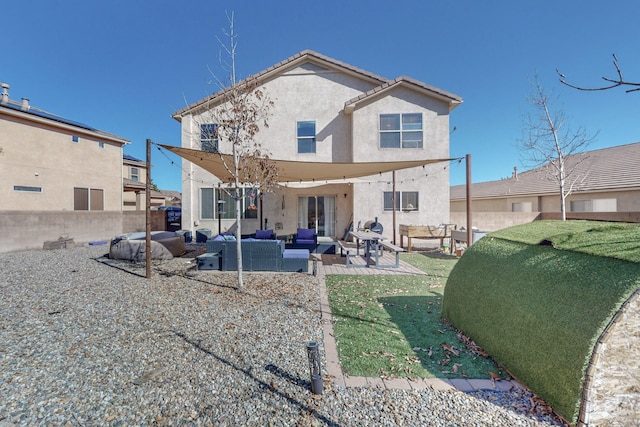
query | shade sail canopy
[297, 171]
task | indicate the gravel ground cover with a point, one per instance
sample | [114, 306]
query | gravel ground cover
[89, 341]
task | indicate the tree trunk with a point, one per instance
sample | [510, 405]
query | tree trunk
[563, 193]
[236, 161]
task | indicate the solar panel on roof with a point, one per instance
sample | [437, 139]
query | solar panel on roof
[44, 114]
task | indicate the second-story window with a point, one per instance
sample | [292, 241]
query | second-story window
[401, 130]
[306, 137]
[209, 137]
[135, 174]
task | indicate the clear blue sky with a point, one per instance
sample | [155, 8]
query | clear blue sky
[123, 66]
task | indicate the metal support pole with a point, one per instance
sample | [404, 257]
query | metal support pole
[313, 354]
[219, 202]
[469, 221]
[148, 212]
[393, 200]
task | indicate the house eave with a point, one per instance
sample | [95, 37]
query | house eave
[451, 99]
[26, 116]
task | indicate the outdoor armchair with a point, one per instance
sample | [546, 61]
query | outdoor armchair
[265, 235]
[305, 236]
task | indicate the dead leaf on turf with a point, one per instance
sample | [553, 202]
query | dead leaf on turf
[450, 348]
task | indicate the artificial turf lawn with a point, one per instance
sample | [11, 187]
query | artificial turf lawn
[390, 326]
[536, 297]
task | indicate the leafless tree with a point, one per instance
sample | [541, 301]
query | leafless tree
[611, 82]
[233, 121]
[548, 141]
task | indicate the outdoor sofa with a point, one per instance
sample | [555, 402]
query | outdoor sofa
[257, 255]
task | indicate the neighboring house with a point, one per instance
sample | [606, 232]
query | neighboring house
[604, 181]
[51, 163]
[172, 198]
[328, 111]
[134, 183]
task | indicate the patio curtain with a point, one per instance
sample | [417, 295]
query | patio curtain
[329, 215]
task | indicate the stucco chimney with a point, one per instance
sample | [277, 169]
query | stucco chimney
[25, 104]
[515, 173]
[5, 93]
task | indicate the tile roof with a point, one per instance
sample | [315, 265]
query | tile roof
[382, 82]
[604, 169]
[131, 158]
[454, 100]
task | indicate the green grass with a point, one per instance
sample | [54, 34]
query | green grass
[607, 239]
[536, 297]
[391, 326]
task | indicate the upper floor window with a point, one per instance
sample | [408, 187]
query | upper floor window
[401, 130]
[306, 137]
[209, 137]
[134, 173]
[405, 201]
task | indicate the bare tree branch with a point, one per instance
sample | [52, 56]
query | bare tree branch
[620, 81]
[229, 122]
[548, 141]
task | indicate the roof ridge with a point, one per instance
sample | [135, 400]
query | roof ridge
[601, 169]
[279, 65]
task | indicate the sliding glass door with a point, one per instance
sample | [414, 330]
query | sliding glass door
[318, 213]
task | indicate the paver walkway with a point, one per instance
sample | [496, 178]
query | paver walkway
[334, 264]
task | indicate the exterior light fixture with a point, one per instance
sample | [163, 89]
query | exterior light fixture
[313, 354]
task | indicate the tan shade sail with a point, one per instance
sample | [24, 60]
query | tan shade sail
[295, 171]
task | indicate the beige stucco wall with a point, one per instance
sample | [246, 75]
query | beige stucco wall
[494, 214]
[327, 91]
[626, 200]
[431, 182]
[23, 230]
[493, 221]
[311, 93]
[38, 155]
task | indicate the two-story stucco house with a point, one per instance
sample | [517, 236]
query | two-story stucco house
[325, 110]
[49, 163]
[134, 172]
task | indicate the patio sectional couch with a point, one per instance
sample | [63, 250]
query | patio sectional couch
[257, 255]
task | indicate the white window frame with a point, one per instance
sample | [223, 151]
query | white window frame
[404, 130]
[306, 139]
[404, 201]
[209, 137]
[249, 204]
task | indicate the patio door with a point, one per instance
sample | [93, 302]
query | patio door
[318, 213]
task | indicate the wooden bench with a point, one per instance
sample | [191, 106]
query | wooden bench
[349, 252]
[392, 248]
